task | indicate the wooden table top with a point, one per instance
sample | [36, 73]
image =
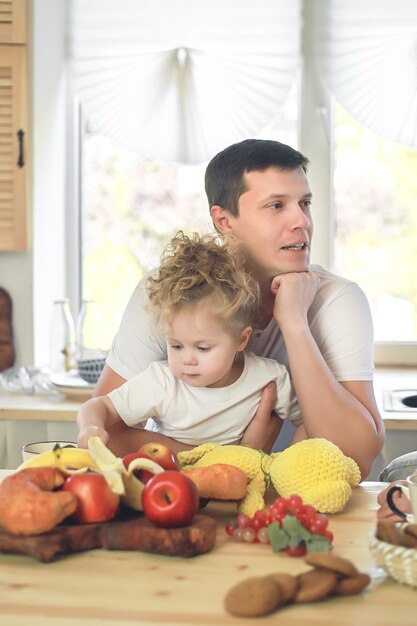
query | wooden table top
[116, 588]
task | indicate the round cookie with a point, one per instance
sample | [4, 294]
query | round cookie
[315, 585]
[352, 585]
[331, 562]
[288, 584]
[253, 597]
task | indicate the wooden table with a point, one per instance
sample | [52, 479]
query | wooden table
[100, 588]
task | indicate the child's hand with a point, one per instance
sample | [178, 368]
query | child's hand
[92, 431]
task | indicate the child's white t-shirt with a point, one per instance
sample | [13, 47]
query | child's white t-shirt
[195, 415]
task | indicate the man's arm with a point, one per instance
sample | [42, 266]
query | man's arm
[107, 381]
[345, 413]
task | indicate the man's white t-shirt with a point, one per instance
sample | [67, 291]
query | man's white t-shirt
[339, 318]
[195, 415]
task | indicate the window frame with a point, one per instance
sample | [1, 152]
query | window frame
[316, 141]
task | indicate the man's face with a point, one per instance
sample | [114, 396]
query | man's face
[274, 222]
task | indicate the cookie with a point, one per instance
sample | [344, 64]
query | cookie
[288, 584]
[253, 597]
[387, 531]
[315, 585]
[352, 585]
[331, 562]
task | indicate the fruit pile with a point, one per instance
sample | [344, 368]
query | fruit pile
[287, 524]
[94, 483]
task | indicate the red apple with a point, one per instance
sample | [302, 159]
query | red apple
[157, 452]
[141, 474]
[96, 502]
[170, 499]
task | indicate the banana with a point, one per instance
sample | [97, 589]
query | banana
[68, 460]
[133, 486]
[109, 465]
[120, 480]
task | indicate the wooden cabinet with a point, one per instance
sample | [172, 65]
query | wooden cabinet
[13, 21]
[13, 126]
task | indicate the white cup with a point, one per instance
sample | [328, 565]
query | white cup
[409, 489]
[30, 450]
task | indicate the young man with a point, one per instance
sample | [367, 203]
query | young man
[317, 324]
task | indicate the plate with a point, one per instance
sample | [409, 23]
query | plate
[72, 385]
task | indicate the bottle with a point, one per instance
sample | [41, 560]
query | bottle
[62, 337]
[87, 331]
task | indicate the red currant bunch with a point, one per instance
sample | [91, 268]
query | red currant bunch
[287, 524]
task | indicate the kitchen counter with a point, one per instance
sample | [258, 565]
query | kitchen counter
[15, 406]
[26, 418]
[64, 409]
[387, 378]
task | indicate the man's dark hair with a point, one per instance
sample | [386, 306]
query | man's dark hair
[224, 179]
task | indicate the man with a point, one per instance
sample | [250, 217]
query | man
[316, 323]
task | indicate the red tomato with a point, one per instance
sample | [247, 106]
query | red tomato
[170, 499]
[230, 528]
[299, 550]
[279, 506]
[295, 504]
[96, 502]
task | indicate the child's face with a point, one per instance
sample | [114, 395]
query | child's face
[200, 350]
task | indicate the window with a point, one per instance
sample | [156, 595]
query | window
[131, 207]
[376, 224]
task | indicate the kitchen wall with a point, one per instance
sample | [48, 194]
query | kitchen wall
[35, 277]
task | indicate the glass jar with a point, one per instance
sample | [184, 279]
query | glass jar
[62, 337]
[87, 331]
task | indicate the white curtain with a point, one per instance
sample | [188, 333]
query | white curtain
[179, 80]
[366, 54]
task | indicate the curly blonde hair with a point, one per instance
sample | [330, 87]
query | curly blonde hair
[202, 266]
